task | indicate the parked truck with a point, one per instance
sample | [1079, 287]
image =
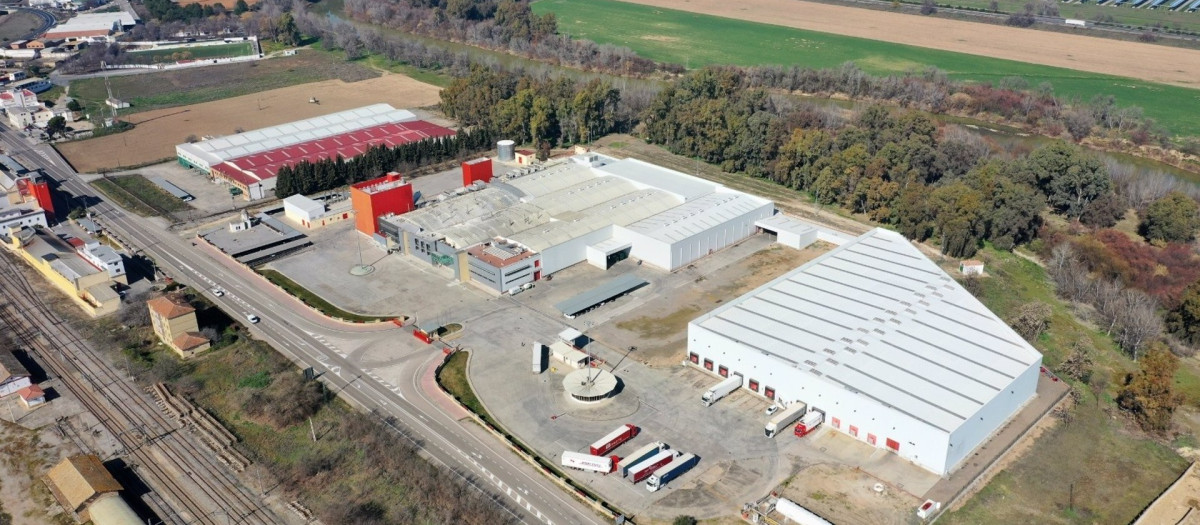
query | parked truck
[614, 439]
[722, 389]
[660, 479]
[785, 417]
[588, 462]
[640, 455]
[809, 423]
[646, 467]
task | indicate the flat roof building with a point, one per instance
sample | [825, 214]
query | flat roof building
[588, 208]
[875, 335]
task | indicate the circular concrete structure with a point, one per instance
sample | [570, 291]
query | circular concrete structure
[590, 385]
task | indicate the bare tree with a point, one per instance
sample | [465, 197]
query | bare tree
[135, 312]
[1140, 324]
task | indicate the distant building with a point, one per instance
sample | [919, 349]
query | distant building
[58, 261]
[312, 213]
[36, 85]
[387, 195]
[85, 488]
[971, 267]
[176, 325]
[92, 26]
[31, 396]
[18, 98]
[13, 375]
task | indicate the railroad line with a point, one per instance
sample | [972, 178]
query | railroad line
[138, 424]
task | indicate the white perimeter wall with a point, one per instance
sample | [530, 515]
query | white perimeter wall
[993, 415]
[919, 442]
[670, 256]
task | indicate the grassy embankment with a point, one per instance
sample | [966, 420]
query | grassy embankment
[314, 300]
[137, 194]
[697, 40]
[1115, 470]
[193, 86]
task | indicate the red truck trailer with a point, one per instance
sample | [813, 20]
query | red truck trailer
[614, 439]
[644, 469]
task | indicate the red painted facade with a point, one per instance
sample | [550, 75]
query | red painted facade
[372, 199]
[476, 170]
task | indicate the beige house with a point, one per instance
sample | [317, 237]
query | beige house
[176, 325]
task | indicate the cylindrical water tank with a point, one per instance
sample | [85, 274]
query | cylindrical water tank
[504, 150]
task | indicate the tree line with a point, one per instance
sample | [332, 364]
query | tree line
[307, 177]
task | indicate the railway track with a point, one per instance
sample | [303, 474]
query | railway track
[162, 454]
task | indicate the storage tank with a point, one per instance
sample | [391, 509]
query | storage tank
[797, 514]
[505, 150]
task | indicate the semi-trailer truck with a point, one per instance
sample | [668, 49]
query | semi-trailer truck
[646, 467]
[639, 455]
[587, 462]
[809, 422]
[786, 417]
[722, 389]
[614, 439]
[674, 470]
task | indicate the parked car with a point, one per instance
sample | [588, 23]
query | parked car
[771, 410]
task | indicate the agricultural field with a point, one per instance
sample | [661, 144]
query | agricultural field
[1138, 18]
[699, 39]
[194, 53]
[156, 133]
[153, 91]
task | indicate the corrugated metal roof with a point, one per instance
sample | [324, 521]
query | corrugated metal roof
[880, 319]
[623, 210]
[780, 222]
[684, 186]
[220, 149]
[696, 216]
[599, 294]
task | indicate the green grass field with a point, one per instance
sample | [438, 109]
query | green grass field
[137, 194]
[1136, 18]
[698, 40]
[215, 51]
[193, 86]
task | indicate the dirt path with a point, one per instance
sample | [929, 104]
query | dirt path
[1151, 62]
[157, 132]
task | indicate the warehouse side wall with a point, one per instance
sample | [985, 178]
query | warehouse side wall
[992, 416]
[846, 412]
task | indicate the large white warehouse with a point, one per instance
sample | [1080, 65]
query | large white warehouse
[589, 208]
[889, 347]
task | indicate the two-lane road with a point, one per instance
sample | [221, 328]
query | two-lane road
[301, 335]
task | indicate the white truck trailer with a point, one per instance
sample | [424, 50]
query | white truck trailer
[785, 417]
[588, 462]
[722, 389]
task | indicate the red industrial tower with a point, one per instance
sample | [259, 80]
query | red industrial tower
[390, 194]
[37, 188]
[477, 170]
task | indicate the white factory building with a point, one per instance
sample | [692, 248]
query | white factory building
[880, 339]
[589, 208]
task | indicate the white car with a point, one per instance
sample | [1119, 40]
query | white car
[252, 318]
[771, 410]
[218, 292]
